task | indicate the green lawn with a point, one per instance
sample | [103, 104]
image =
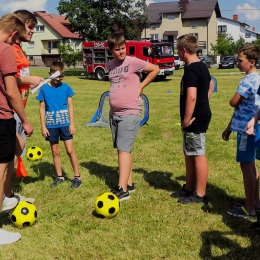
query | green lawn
[150, 225]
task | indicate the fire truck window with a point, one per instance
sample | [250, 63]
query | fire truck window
[146, 51]
[131, 50]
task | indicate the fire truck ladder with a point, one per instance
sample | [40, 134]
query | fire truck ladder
[101, 116]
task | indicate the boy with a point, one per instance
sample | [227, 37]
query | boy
[125, 101]
[57, 108]
[196, 88]
[246, 103]
[10, 28]
[24, 82]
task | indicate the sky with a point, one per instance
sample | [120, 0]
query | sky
[248, 11]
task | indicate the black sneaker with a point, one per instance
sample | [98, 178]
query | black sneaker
[76, 183]
[57, 182]
[256, 226]
[193, 198]
[131, 188]
[183, 192]
[122, 195]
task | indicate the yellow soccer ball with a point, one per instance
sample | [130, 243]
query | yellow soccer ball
[23, 215]
[34, 153]
[107, 205]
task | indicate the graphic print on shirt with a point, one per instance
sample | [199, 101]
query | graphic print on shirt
[116, 80]
[57, 117]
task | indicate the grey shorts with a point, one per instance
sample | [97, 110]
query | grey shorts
[194, 144]
[124, 131]
[20, 131]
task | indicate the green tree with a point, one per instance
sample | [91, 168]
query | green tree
[96, 19]
[257, 42]
[69, 55]
[239, 43]
[225, 45]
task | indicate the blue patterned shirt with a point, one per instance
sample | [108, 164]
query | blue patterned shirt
[249, 105]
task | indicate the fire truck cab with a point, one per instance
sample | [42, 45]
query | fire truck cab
[96, 55]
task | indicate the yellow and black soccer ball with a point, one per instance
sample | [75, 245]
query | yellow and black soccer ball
[23, 215]
[34, 153]
[107, 205]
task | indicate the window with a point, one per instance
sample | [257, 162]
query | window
[195, 34]
[153, 27]
[222, 29]
[171, 17]
[132, 50]
[154, 36]
[248, 35]
[52, 45]
[30, 45]
[193, 26]
[39, 28]
[77, 45]
[151, 17]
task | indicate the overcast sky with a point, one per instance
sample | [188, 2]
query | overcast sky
[248, 11]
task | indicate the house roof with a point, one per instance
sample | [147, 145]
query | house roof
[58, 23]
[194, 9]
[228, 19]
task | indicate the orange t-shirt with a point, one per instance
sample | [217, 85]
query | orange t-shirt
[22, 70]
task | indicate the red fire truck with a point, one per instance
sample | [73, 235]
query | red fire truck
[96, 55]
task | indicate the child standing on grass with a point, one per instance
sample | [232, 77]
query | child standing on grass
[246, 102]
[125, 101]
[57, 122]
[196, 88]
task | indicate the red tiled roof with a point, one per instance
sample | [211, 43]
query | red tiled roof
[57, 23]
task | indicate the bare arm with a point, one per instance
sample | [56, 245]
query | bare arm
[251, 125]
[227, 131]
[190, 105]
[33, 81]
[71, 113]
[211, 88]
[45, 131]
[152, 71]
[236, 99]
[14, 97]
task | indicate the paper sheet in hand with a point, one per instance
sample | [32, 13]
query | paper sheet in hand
[54, 75]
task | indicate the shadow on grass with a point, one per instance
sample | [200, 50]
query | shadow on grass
[219, 203]
[42, 170]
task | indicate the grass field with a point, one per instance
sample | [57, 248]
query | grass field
[150, 225]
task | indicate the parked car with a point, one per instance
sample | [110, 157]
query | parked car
[258, 64]
[206, 60]
[178, 63]
[228, 62]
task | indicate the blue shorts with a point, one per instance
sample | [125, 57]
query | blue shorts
[246, 150]
[60, 133]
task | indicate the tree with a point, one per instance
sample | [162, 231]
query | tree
[96, 19]
[239, 43]
[257, 42]
[225, 45]
[69, 55]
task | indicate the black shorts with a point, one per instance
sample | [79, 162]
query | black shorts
[7, 140]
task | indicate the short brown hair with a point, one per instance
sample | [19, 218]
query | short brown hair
[115, 39]
[26, 16]
[56, 65]
[11, 23]
[189, 42]
[251, 51]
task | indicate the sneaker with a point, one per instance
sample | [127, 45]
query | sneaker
[57, 182]
[240, 205]
[183, 192]
[131, 188]
[241, 213]
[23, 198]
[7, 237]
[256, 226]
[122, 195]
[193, 198]
[9, 203]
[76, 183]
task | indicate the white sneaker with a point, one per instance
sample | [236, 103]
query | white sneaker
[7, 237]
[22, 198]
[9, 203]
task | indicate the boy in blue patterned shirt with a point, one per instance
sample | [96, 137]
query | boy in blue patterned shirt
[57, 121]
[246, 102]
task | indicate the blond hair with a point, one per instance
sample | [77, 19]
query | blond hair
[11, 22]
[189, 42]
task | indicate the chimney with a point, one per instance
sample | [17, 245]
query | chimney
[253, 29]
[235, 17]
[183, 4]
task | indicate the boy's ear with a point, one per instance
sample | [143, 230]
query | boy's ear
[14, 33]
